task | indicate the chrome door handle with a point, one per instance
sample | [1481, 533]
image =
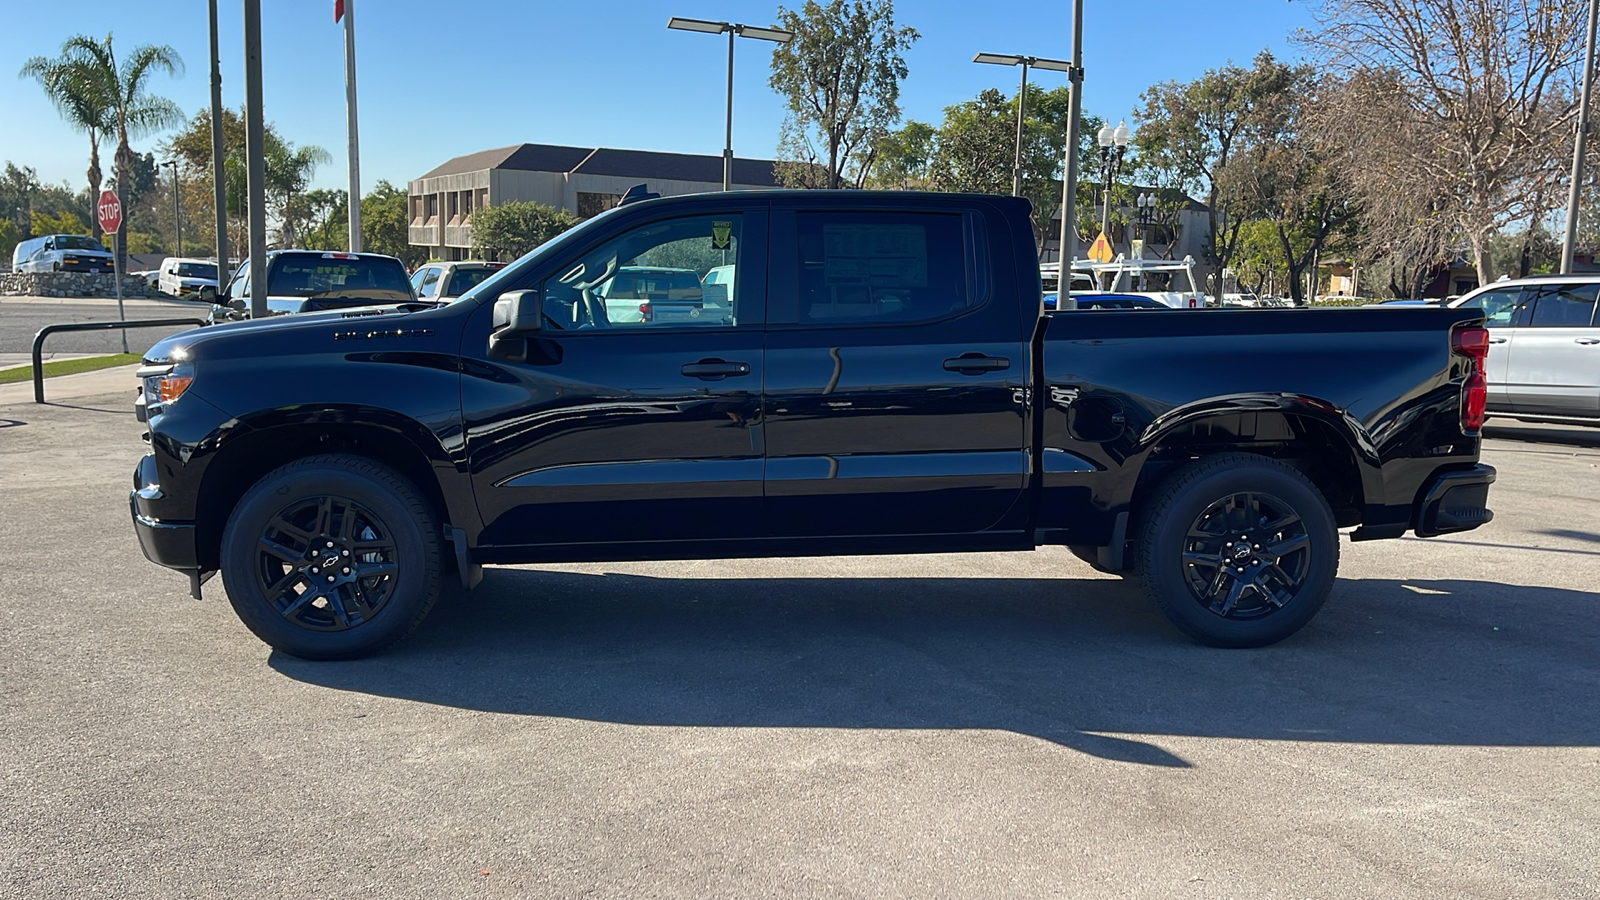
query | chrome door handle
[1495, 340]
[1586, 340]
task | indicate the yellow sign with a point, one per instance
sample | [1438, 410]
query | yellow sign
[721, 233]
[1101, 250]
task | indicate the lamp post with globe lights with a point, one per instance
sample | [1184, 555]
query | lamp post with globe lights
[1113, 145]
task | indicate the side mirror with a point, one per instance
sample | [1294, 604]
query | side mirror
[518, 312]
[207, 294]
[516, 315]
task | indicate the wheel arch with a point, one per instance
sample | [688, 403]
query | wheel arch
[1316, 437]
[280, 437]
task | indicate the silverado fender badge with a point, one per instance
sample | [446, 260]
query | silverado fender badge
[383, 333]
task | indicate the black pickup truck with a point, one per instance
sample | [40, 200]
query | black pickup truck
[866, 373]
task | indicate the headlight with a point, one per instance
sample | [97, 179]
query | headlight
[160, 390]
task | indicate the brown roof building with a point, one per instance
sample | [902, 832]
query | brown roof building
[582, 180]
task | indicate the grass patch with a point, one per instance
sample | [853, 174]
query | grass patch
[68, 367]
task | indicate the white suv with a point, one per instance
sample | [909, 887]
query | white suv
[1544, 346]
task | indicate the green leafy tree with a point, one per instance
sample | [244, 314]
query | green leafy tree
[124, 87]
[288, 169]
[511, 229]
[1194, 130]
[59, 223]
[327, 224]
[10, 237]
[384, 224]
[841, 77]
[903, 158]
[79, 98]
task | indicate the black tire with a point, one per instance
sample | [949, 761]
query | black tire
[1238, 550]
[332, 557]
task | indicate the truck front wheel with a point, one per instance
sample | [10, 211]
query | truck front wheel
[331, 557]
[1238, 550]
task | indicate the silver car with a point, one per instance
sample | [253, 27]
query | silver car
[1544, 346]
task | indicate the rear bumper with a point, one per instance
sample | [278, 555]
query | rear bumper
[170, 544]
[1454, 501]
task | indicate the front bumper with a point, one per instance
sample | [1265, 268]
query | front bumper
[170, 544]
[1455, 501]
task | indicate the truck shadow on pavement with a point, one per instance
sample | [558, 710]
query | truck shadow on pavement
[1088, 665]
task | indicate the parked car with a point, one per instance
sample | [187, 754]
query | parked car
[184, 277]
[1117, 301]
[301, 281]
[885, 384]
[151, 277]
[648, 293]
[1544, 347]
[444, 280]
[61, 253]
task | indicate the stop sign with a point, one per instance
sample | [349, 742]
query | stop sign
[109, 209]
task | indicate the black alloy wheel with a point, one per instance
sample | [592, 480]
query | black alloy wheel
[1238, 550]
[1247, 556]
[326, 563]
[332, 557]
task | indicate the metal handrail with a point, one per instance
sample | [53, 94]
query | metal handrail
[38, 341]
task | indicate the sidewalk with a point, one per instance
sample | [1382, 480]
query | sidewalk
[62, 388]
[12, 360]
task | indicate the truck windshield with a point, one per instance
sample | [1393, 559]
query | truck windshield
[316, 276]
[197, 270]
[77, 242]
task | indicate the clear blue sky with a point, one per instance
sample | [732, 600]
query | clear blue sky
[439, 79]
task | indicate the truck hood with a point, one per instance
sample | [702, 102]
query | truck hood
[191, 344]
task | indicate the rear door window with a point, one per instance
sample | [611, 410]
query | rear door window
[881, 267]
[1563, 306]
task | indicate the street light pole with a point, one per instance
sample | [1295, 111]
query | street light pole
[1113, 144]
[256, 164]
[1022, 116]
[999, 59]
[1069, 180]
[218, 188]
[732, 30]
[1570, 238]
[177, 220]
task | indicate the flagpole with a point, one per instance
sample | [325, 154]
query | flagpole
[350, 123]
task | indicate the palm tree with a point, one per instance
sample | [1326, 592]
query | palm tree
[77, 96]
[289, 171]
[134, 112]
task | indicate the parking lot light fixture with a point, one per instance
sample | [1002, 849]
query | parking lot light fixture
[732, 30]
[1001, 59]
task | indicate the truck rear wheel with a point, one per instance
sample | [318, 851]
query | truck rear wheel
[331, 557]
[1238, 550]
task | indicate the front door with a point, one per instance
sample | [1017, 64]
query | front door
[895, 374]
[1503, 309]
[628, 425]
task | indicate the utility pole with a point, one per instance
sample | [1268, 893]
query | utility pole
[177, 213]
[219, 190]
[1069, 185]
[354, 202]
[1570, 239]
[254, 137]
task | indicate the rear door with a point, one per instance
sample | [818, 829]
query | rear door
[1554, 363]
[895, 373]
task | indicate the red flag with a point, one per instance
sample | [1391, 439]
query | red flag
[338, 10]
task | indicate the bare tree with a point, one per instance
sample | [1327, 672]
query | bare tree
[1465, 95]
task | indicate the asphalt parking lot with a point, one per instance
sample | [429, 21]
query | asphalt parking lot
[976, 725]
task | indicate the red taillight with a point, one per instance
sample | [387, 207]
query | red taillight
[1472, 341]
